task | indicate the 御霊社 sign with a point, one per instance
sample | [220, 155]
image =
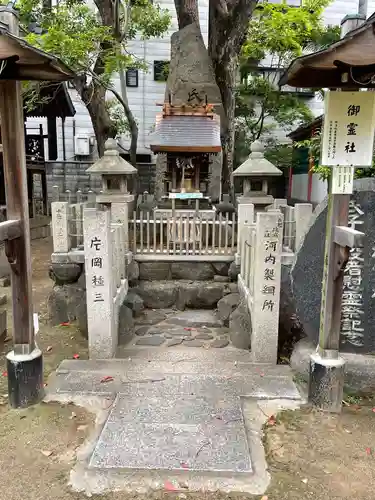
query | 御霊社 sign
[349, 126]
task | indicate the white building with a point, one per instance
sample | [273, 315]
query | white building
[147, 88]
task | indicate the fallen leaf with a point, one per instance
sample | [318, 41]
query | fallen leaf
[82, 427]
[49, 348]
[304, 481]
[73, 415]
[271, 420]
[368, 451]
[169, 486]
[45, 385]
[184, 486]
[106, 379]
[75, 356]
[64, 324]
[5, 374]
[46, 453]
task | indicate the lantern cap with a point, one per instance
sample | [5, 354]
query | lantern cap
[111, 162]
[257, 165]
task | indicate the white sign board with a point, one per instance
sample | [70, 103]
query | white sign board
[185, 196]
[342, 180]
[349, 126]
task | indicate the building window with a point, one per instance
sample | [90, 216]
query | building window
[161, 71]
[132, 78]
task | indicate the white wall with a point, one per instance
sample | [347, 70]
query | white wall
[300, 188]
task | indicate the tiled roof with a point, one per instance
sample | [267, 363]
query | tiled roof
[186, 133]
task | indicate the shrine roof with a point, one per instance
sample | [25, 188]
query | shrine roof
[186, 133]
[353, 55]
[55, 101]
[22, 61]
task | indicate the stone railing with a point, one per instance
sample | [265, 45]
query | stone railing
[263, 245]
[259, 281]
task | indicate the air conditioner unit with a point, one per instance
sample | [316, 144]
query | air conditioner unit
[82, 145]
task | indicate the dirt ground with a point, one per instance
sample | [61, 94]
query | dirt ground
[310, 455]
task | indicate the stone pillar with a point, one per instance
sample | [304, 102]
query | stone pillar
[160, 171]
[277, 202]
[60, 226]
[102, 332]
[245, 217]
[302, 214]
[120, 215]
[266, 292]
[214, 176]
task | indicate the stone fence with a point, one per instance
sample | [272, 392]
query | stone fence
[263, 245]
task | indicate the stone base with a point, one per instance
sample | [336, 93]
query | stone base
[183, 294]
[326, 383]
[359, 368]
[168, 270]
[25, 378]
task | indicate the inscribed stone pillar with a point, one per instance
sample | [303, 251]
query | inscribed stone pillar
[266, 292]
[214, 177]
[102, 332]
[160, 172]
[60, 226]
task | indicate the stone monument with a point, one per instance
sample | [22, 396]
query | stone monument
[358, 301]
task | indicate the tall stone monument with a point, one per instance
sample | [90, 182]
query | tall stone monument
[358, 301]
[191, 76]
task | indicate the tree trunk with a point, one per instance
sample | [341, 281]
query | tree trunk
[228, 23]
[93, 96]
[131, 120]
[187, 12]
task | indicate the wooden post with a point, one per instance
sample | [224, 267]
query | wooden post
[327, 367]
[24, 363]
[18, 251]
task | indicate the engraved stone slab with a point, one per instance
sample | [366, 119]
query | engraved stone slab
[195, 439]
[358, 300]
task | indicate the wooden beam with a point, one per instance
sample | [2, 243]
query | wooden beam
[17, 250]
[10, 229]
[348, 237]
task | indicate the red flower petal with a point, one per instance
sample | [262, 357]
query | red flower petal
[106, 379]
[75, 356]
[169, 486]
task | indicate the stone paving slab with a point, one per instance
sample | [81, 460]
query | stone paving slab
[195, 319]
[217, 446]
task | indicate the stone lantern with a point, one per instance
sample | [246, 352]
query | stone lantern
[114, 172]
[255, 172]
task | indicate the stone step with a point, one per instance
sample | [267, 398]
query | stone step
[148, 375]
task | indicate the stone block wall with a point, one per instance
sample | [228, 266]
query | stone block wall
[70, 175]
